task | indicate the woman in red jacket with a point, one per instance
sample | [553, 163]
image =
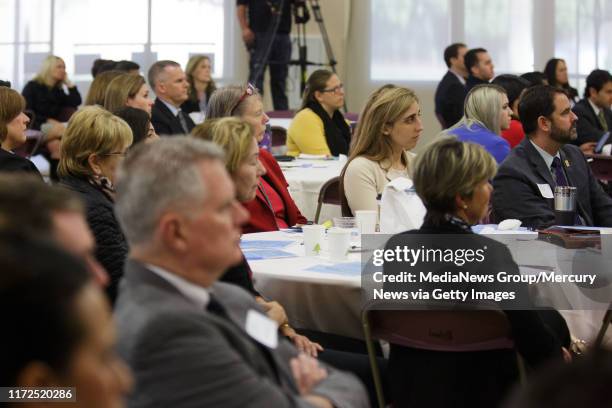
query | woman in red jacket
[273, 208]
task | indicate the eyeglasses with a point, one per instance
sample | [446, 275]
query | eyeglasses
[248, 91]
[335, 89]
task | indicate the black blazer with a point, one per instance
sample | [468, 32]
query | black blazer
[450, 95]
[516, 193]
[48, 102]
[588, 127]
[165, 123]
[10, 162]
[111, 245]
[472, 81]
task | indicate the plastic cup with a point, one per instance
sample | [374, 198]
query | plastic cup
[313, 239]
[339, 242]
[366, 220]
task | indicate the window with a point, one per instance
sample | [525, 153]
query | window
[407, 39]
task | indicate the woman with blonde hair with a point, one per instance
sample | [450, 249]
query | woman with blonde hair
[128, 90]
[273, 208]
[486, 113]
[201, 84]
[97, 89]
[452, 180]
[93, 146]
[319, 127]
[46, 97]
[13, 124]
[389, 127]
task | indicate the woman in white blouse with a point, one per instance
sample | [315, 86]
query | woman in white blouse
[389, 126]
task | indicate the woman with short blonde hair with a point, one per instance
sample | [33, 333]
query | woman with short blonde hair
[45, 95]
[486, 113]
[388, 127]
[127, 90]
[97, 89]
[94, 144]
[452, 179]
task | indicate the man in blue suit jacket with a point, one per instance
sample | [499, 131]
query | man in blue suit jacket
[450, 92]
[525, 181]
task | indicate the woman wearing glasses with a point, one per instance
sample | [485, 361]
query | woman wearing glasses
[94, 144]
[273, 208]
[319, 127]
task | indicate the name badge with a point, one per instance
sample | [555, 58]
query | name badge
[546, 191]
[261, 328]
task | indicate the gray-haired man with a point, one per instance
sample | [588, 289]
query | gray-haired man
[191, 341]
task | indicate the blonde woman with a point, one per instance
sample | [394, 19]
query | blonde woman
[389, 127]
[201, 84]
[94, 144]
[97, 89]
[128, 90]
[46, 97]
[486, 113]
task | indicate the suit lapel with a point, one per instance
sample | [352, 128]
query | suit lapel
[537, 162]
[174, 122]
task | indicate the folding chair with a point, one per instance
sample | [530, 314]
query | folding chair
[279, 136]
[451, 331]
[329, 194]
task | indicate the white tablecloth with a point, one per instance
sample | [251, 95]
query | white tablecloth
[305, 178]
[331, 302]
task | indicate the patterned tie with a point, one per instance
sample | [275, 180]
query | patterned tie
[181, 117]
[558, 173]
[602, 120]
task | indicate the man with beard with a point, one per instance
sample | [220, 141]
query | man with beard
[525, 181]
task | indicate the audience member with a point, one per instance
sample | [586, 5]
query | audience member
[266, 36]
[389, 127]
[556, 75]
[456, 196]
[545, 159]
[59, 330]
[46, 97]
[127, 90]
[593, 112]
[535, 78]
[177, 205]
[97, 89]
[479, 66]
[140, 123]
[13, 124]
[514, 87]
[170, 85]
[273, 208]
[584, 383]
[319, 127]
[129, 67]
[40, 210]
[93, 146]
[102, 65]
[450, 92]
[487, 113]
[201, 84]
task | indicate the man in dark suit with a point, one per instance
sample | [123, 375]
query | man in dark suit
[479, 66]
[170, 85]
[525, 181]
[450, 93]
[594, 115]
[193, 341]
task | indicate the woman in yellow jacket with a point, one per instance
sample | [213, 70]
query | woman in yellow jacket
[319, 127]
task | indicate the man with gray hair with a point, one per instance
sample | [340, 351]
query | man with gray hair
[170, 85]
[193, 341]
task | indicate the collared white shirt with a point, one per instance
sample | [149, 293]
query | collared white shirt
[548, 159]
[595, 107]
[194, 293]
[172, 108]
[459, 77]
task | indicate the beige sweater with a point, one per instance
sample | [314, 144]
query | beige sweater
[365, 180]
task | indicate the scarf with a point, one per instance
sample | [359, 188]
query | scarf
[337, 132]
[103, 184]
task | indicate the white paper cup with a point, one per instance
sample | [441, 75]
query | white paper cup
[339, 242]
[313, 239]
[366, 221]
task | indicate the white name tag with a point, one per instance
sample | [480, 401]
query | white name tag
[262, 329]
[546, 191]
